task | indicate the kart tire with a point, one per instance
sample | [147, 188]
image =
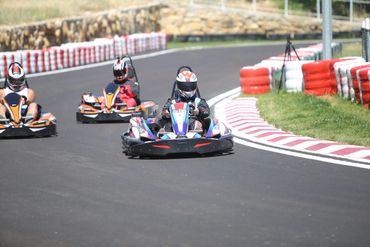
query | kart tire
[126, 147]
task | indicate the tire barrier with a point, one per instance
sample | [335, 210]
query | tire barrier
[255, 80]
[340, 70]
[76, 54]
[275, 66]
[364, 86]
[316, 77]
[319, 77]
[332, 63]
[349, 77]
[353, 81]
[293, 75]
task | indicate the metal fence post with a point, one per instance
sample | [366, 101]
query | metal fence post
[318, 9]
[286, 8]
[365, 30]
[351, 11]
[327, 34]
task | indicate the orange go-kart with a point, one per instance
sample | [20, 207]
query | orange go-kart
[91, 109]
[16, 124]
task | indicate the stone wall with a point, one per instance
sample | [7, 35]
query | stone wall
[176, 20]
[59, 31]
[205, 21]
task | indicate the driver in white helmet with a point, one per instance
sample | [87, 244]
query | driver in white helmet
[16, 83]
[186, 91]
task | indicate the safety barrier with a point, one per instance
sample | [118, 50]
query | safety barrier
[291, 80]
[363, 77]
[320, 78]
[76, 54]
[340, 70]
[293, 75]
[255, 80]
[353, 81]
[349, 77]
[316, 78]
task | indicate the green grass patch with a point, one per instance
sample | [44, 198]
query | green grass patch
[18, 12]
[178, 44]
[350, 50]
[328, 118]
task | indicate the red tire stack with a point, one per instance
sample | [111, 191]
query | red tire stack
[255, 80]
[354, 79]
[317, 78]
[364, 86]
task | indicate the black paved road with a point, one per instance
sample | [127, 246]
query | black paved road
[78, 189]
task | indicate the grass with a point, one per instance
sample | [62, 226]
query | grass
[350, 49]
[25, 11]
[328, 117]
[178, 44]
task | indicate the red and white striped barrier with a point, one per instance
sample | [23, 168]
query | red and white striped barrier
[76, 54]
[341, 75]
[293, 74]
[363, 77]
[353, 81]
[320, 77]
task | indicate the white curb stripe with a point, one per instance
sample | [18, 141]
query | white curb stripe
[292, 139]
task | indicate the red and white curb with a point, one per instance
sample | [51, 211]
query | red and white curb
[242, 117]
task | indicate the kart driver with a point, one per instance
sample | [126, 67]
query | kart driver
[16, 83]
[128, 86]
[186, 91]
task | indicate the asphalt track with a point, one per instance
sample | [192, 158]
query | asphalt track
[78, 189]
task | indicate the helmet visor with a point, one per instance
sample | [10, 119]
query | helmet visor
[118, 73]
[16, 81]
[187, 86]
[187, 94]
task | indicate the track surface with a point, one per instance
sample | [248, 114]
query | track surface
[78, 189]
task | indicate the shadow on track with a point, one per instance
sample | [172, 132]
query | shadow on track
[180, 156]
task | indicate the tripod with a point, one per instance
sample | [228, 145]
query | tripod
[287, 57]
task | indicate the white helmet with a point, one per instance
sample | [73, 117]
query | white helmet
[186, 82]
[16, 77]
[120, 70]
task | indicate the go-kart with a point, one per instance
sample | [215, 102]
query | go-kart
[16, 124]
[145, 137]
[91, 109]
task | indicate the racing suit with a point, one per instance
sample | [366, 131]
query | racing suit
[29, 108]
[200, 108]
[128, 92]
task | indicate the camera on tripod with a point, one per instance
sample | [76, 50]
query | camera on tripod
[287, 57]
